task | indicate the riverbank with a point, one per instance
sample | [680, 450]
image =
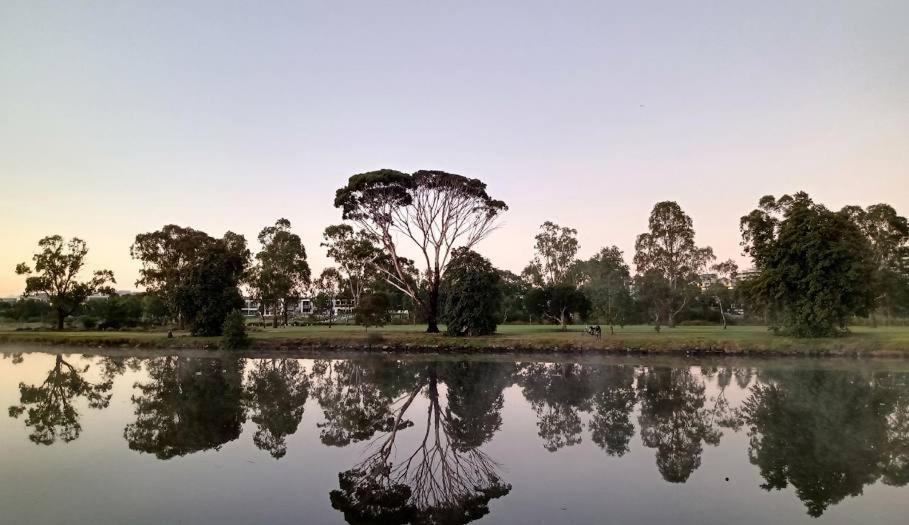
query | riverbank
[737, 340]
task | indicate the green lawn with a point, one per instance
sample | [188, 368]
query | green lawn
[754, 339]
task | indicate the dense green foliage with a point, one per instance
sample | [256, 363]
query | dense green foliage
[607, 283]
[558, 303]
[373, 310]
[210, 290]
[814, 269]
[473, 296]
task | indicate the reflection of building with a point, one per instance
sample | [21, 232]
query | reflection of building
[304, 306]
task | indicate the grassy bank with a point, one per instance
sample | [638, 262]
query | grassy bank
[884, 341]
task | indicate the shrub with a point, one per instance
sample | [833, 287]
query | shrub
[372, 310]
[234, 331]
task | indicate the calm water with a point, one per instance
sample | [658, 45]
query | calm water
[376, 440]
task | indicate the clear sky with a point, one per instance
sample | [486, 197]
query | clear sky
[120, 117]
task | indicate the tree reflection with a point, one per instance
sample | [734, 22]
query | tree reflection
[50, 406]
[355, 397]
[828, 434]
[611, 427]
[276, 394]
[675, 420]
[558, 392]
[188, 405]
[445, 477]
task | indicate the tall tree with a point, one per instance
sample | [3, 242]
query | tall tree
[668, 251]
[355, 254]
[210, 290]
[57, 268]
[814, 266]
[281, 270]
[607, 282]
[555, 254]
[888, 234]
[166, 256]
[514, 294]
[436, 211]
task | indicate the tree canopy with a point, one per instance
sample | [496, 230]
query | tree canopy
[814, 268]
[437, 211]
[57, 267]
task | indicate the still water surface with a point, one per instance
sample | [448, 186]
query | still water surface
[378, 440]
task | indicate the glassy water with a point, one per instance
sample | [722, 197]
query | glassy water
[381, 440]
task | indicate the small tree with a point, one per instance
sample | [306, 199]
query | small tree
[555, 255]
[57, 267]
[234, 331]
[607, 281]
[328, 286]
[473, 296]
[558, 303]
[372, 310]
[282, 270]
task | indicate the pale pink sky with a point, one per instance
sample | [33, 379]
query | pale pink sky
[117, 119]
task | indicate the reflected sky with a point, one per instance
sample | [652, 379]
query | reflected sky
[381, 440]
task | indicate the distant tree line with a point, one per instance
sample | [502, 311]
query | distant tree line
[813, 271]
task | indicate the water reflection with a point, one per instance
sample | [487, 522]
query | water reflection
[422, 430]
[50, 408]
[186, 406]
[444, 476]
[828, 434]
[276, 392]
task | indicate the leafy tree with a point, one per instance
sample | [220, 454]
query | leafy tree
[668, 252]
[234, 331]
[355, 254]
[888, 235]
[607, 282]
[436, 211]
[555, 253]
[814, 266]
[558, 303]
[281, 270]
[154, 309]
[473, 296]
[51, 413]
[167, 256]
[372, 310]
[209, 291]
[514, 293]
[57, 267]
[116, 311]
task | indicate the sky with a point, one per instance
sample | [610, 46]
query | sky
[120, 117]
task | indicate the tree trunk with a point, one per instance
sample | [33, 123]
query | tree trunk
[722, 312]
[60, 317]
[563, 320]
[274, 314]
[432, 310]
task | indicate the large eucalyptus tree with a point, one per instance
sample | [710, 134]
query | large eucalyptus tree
[433, 211]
